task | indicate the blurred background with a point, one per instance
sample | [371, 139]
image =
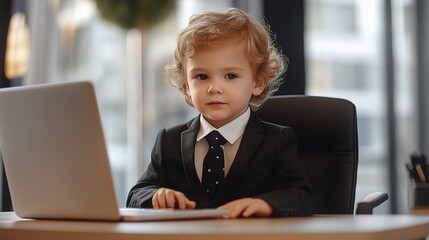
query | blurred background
[374, 53]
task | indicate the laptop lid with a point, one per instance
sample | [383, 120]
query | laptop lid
[54, 153]
[55, 157]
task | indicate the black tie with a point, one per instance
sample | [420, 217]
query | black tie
[213, 169]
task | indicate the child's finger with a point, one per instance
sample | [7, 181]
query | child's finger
[190, 204]
[181, 201]
[158, 199]
[155, 202]
[170, 198]
[235, 208]
[250, 210]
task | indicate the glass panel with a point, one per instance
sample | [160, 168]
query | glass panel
[350, 65]
[345, 60]
[323, 17]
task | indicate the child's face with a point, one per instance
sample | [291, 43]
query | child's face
[221, 82]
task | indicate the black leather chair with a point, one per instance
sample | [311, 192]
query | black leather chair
[326, 129]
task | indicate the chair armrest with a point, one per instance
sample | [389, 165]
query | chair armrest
[368, 203]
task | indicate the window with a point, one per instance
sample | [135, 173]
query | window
[346, 58]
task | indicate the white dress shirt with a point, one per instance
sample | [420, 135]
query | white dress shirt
[232, 132]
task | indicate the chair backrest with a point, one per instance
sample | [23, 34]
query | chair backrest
[326, 129]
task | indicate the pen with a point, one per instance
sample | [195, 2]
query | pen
[424, 165]
[418, 168]
[420, 173]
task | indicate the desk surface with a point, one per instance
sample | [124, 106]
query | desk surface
[317, 227]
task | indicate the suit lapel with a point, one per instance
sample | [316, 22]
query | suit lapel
[189, 137]
[252, 138]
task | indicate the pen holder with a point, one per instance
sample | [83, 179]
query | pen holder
[419, 197]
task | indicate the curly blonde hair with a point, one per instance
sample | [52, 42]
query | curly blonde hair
[212, 28]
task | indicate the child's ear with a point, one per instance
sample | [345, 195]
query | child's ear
[259, 87]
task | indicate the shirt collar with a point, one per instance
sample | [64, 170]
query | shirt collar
[230, 131]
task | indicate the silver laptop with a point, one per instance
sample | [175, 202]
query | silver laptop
[56, 160]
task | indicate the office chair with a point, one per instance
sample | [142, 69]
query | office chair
[326, 130]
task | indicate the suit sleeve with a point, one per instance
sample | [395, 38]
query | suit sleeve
[293, 194]
[140, 195]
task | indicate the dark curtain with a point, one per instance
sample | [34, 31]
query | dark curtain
[286, 19]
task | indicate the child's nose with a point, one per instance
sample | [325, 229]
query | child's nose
[215, 87]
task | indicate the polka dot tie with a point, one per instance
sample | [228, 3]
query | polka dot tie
[213, 166]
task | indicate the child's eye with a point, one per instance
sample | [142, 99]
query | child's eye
[201, 77]
[231, 76]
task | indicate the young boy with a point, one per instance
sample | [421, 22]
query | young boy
[226, 66]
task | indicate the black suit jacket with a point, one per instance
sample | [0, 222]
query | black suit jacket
[266, 166]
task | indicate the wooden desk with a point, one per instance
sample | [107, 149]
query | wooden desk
[318, 227]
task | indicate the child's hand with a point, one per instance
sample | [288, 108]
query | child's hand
[247, 207]
[168, 198]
